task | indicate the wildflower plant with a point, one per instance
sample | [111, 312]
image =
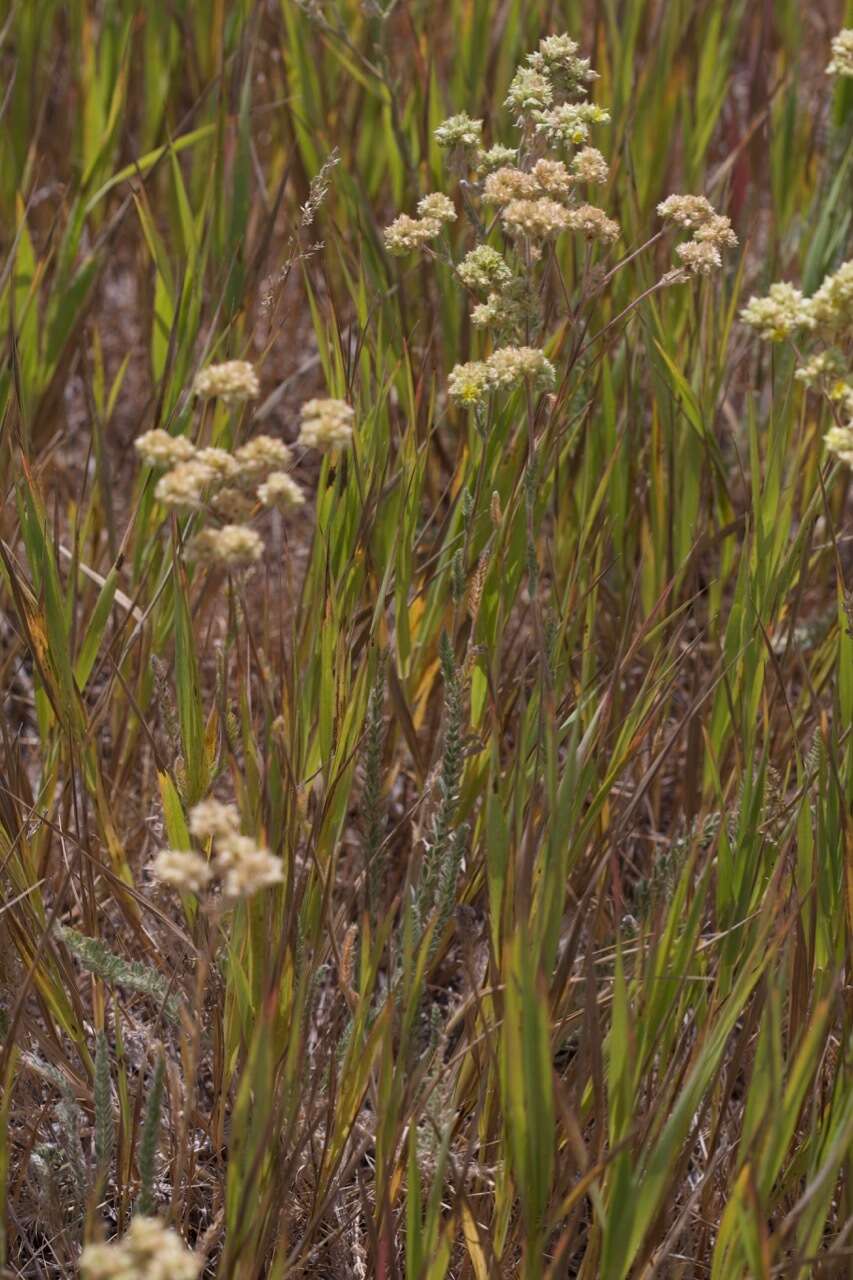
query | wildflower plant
[521, 202]
[426, 767]
[230, 488]
[819, 329]
[241, 866]
[537, 257]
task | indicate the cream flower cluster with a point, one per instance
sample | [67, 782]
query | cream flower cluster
[459, 131]
[824, 321]
[529, 191]
[712, 232]
[839, 440]
[233, 382]
[197, 478]
[232, 546]
[470, 384]
[540, 90]
[326, 424]
[841, 63]
[226, 486]
[828, 312]
[149, 1251]
[242, 866]
[406, 234]
[776, 316]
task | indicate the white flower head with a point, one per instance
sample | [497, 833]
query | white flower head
[531, 90]
[211, 818]
[841, 63]
[686, 211]
[509, 366]
[839, 440]
[405, 234]
[777, 315]
[483, 269]
[160, 449]
[183, 488]
[246, 867]
[259, 456]
[326, 424]
[594, 223]
[553, 179]
[509, 184]
[589, 165]
[497, 157]
[234, 546]
[281, 491]
[148, 1251]
[832, 306]
[700, 257]
[437, 207]
[233, 382]
[537, 219]
[182, 869]
[459, 131]
[469, 384]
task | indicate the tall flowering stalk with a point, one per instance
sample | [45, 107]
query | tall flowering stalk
[520, 202]
[820, 331]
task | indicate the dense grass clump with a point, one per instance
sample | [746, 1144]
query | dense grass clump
[426, 636]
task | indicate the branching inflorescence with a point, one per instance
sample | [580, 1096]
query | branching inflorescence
[820, 329]
[229, 488]
[520, 200]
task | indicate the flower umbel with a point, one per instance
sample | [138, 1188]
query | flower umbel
[182, 869]
[469, 384]
[459, 131]
[232, 382]
[776, 316]
[149, 1251]
[326, 424]
[234, 546]
[841, 63]
[242, 866]
[280, 490]
[159, 449]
